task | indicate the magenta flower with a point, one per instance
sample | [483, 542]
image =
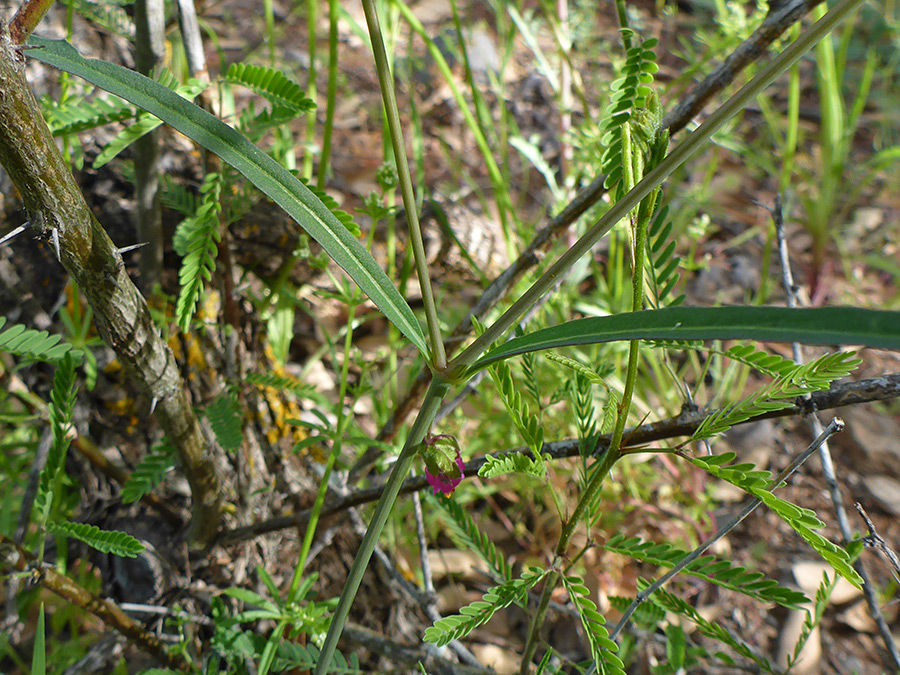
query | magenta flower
[443, 463]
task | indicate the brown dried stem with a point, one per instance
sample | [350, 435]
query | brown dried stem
[103, 609]
[840, 395]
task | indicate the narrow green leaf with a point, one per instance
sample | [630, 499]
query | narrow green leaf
[39, 655]
[260, 169]
[822, 326]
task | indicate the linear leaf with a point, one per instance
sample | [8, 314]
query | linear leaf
[821, 326]
[260, 169]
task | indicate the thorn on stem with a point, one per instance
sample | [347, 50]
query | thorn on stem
[13, 233]
[133, 247]
[54, 234]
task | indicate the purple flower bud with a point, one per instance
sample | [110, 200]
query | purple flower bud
[443, 463]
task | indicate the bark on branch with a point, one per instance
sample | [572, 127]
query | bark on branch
[57, 209]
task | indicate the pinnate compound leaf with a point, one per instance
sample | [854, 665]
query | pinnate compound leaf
[61, 409]
[762, 361]
[719, 572]
[463, 528]
[803, 521]
[149, 473]
[822, 325]
[672, 603]
[33, 344]
[511, 462]
[527, 423]
[271, 84]
[80, 115]
[224, 417]
[792, 381]
[603, 650]
[105, 541]
[196, 238]
[286, 383]
[480, 612]
[260, 169]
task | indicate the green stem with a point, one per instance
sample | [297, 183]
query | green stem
[456, 370]
[441, 384]
[385, 79]
[329, 466]
[622, 14]
[632, 167]
[311, 17]
[331, 95]
[538, 621]
[504, 202]
[432, 402]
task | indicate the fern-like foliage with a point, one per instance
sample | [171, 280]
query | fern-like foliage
[108, 15]
[803, 521]
[603, 650]
[271, 84]
[62, 405]
[529, 369]
[149, 473]
[662, 262]
[464, 530]
[106, 541]
[198, 237]
[512, 462]
[295, 657]
[577, 366]
[719, 572]
[791, 382]
[34, 345]
[529, 425]
[813, 618]
[286, 383]
[647, 615]
[480, 612]
[224, 417]
[763, 362]
[585, 415]
[144, 122]
[176, 196]
[672, 603]
[631, 91]
[81, 115]
[331, 204]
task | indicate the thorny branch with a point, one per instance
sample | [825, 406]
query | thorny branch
[57, 210]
